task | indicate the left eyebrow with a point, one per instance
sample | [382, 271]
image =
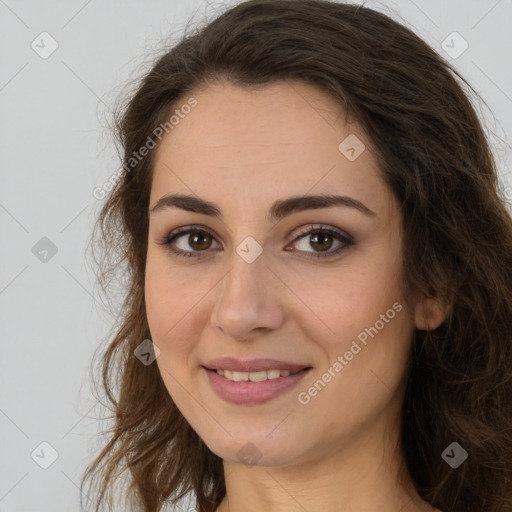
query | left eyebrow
[280, 209]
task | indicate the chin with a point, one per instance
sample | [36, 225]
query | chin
[254, 450]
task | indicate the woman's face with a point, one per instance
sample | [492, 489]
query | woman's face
[262, 282]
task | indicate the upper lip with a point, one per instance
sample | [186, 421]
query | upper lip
[252, 365]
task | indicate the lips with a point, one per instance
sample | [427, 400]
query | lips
[253, 365]
[250, 392]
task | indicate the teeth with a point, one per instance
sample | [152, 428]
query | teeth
[253, 376]
[273, 374]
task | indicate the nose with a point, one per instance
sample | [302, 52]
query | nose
[248, 301]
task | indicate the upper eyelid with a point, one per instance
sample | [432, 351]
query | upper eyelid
[346, 240]
[304, 230]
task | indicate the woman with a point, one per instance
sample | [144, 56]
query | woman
[320, 291]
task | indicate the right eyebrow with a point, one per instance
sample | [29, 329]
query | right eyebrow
[278, 210]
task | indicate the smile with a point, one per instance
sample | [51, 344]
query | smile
[252, 388]
[254, 376]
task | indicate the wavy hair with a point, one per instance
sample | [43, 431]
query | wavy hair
[432, 152]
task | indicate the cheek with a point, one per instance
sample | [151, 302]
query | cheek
[367, 355]
[156, 297]
[167, 295]
[175, 311]
[351, 298]
[166, 315]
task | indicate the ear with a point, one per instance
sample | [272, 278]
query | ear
[430, 313]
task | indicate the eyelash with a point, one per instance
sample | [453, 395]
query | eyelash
[346, 240]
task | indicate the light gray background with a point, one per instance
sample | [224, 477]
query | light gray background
[55, 148]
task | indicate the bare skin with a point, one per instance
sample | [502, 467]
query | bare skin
[242, 150]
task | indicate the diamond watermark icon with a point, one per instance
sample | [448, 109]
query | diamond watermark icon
[249, 454]
[454, 455]
[249, 249]
[351, 147]
[44, 455]
[147, 352]
[44, 45]
[507, 192]
[454, 45]
[44, 250]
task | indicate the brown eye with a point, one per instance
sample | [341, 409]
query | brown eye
[188, 242]
[321, 240]
[199, 241]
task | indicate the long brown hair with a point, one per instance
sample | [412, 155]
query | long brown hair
[433, 154]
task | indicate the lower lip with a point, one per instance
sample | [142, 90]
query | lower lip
[248, 392]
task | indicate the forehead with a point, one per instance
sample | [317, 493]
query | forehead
[271, 115]
[261, 142]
